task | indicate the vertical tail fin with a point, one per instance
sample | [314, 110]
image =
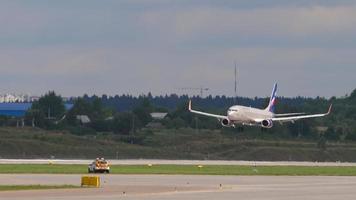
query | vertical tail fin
[272, 100]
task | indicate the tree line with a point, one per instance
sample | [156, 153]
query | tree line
[126, 114]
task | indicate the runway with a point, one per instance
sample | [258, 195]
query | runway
[176, 162]
[179, 187]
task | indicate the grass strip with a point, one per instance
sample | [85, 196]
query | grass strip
[34, 187]
[183, 170]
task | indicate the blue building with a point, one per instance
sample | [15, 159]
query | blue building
[19, 109]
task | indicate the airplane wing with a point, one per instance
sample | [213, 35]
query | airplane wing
[204, 113]
[287, 114]
[294, 118]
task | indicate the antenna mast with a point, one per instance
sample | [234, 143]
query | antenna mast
[235, 97]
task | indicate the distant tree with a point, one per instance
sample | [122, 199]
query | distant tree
[183, 114]
[80, 107]
[104, 97]
[102, 125]
[51, 105]
[36, 118]
[322, 143]
[331, 134]
[125, 122]
[4, 120]
[353, 95]
[350, 113]
[47, 108]
[352, 134]
[96, 112]
[143, 111]
[137, 110]
[178, 123]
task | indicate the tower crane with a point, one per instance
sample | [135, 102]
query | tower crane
[200, 89]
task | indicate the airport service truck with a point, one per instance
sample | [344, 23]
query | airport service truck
[99, 165]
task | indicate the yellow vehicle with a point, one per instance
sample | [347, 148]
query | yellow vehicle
[99, 165]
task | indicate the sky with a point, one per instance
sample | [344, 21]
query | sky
[77, 47]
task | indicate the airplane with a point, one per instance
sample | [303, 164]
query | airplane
[248, 116]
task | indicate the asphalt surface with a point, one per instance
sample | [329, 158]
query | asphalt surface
[179, 187]
[176, 162]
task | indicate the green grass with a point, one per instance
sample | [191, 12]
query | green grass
[174, 144]
[42, 169]
[34, 187]
[236, 170]
[184, 169]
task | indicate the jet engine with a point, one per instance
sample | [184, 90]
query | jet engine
[226, 123]
[267, 123]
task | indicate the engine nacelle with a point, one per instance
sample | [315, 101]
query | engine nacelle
[226, 123]
[267, 123]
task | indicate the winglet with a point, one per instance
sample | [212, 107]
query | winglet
[329, 111]
[190, 105]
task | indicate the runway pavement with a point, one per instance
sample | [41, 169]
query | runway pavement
[179, 187]
[176, 162]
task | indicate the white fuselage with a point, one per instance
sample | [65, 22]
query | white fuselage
[247, 115]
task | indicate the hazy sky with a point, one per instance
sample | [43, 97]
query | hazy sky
[136, 46]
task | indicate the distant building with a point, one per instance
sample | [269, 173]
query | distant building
[84, 119]
[14, 109]
[34, 98]
[19, 109]
[12, 98]
[17, 98]
[321, 129]
[23, 98]
[158, 115]
[156, 125]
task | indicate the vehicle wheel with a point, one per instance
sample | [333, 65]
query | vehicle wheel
[107, 171]
[89, 171]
